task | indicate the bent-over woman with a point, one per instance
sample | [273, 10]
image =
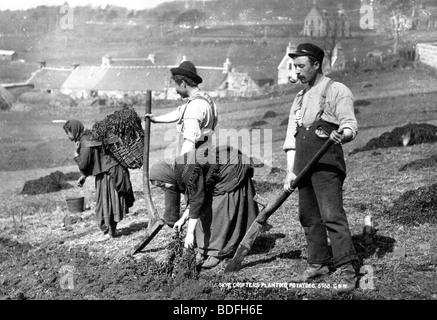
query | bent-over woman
[219, 193]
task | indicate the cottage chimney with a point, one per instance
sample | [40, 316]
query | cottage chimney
[227, 66]
[75, 65]
[151, 57]
[340, 9]
[106, 61]
[42, 64]
[290, 48]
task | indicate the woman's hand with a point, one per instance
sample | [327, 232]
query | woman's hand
[81, 181]
[179, 224]
[77, 148]
[189, 241]
[189, 238]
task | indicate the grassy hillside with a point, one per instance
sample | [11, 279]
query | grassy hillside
[246, 31]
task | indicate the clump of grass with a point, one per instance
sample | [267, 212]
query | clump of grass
[270, 114]
[420, 164]
[258, 123]
[410, 134]
[52, 183]
[16, 214]
[180, 263]
[415, 206]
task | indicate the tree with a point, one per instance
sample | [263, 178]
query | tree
[190, 17]
[112, 15]
[336, 30]
[165, 19]
[398, 12]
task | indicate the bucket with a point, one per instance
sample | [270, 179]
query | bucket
[75, 204]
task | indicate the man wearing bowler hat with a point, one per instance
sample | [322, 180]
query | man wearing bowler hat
[197, 118]
[323, 109]
[195, 121]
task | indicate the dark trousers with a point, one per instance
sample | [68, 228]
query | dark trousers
[321, 211]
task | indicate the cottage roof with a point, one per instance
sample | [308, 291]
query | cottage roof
[212, 77]
[7, 52]
[134, 79]
[325, 13]
[84, 78]
[49, 78]
[314, 13]
[132, 62]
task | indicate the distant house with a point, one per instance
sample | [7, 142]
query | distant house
[49, 79]
[426, 53]
[337, 61]
[129, 62]
[82, 81]
[324, 22]
[8, 55]
[422, 19]
[237, 83]
[286, 67]
[88, 81]
[213, 79]
[240, 84]
[261, 79]
[6, 98]
[118, 77]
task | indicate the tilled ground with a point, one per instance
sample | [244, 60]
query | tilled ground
[46, 252]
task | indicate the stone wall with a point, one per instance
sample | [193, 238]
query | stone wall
[427, 53]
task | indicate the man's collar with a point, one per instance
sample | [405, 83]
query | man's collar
[194, 92]
[318, 80]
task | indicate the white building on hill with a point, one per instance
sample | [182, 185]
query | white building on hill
[8, 55]
[286, 67]
[427, 54]
[323, 22]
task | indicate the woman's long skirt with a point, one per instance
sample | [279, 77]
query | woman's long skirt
[224, 223]
[111, 204]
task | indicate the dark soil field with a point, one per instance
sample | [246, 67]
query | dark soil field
[47, 252]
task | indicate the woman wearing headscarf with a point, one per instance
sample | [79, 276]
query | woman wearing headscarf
[112, 181]
[219, 193]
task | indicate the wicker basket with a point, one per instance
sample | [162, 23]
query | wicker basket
[128, 155]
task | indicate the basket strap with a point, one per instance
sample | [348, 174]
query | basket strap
[93, 143]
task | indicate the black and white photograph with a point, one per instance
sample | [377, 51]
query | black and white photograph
[222, 158]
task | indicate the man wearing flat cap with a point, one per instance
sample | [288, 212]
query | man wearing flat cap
[197, 118]
[323, 109]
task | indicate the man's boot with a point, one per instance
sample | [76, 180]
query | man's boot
[312, 272]
[348, 278]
